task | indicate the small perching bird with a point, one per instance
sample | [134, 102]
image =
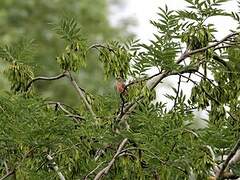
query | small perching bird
[120, 85]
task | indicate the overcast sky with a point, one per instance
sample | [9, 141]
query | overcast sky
[145, 10]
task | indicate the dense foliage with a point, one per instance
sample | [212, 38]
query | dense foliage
[129, 135]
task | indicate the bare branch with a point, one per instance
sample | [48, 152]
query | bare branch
[140, 80]
[226, 163]
[236, 158]
[68, 113]
[45, 79]
[81, 94]
[188, 54]
[222, 47]
[7, 175]
[63, 104]
[105, 170]
[55, 167]
[89, 174]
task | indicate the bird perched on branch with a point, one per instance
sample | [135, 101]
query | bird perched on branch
[120, 85]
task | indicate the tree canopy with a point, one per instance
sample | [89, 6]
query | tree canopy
[34, 20]
[128, 135]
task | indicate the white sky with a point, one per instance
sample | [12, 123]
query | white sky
[145, 10]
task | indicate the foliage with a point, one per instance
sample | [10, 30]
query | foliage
[35, 19]
[75, 54]
[130, 135]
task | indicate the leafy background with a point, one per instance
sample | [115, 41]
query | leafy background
[33, 20]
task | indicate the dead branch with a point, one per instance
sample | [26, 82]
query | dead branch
[105, 170]
[55, 167]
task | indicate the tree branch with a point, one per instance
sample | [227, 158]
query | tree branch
[188, 54]
[68, 113]
[177, 93]
[226, 163]
[159, 77]
[96, 46]
[89, 174]
[63, 104]
[7, 175]
[105, 170]
[81, 94]
[55, 167]
[208, 95]
[45, 79]
[122, 117]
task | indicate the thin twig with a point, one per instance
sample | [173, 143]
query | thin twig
[63, 104]
[105, 170]
[55, 167]
[122, 103]
[96, 46]
[89, 174]
[199, 74]
[210, 97]
[6, 166]
[68, 114]
[141, 80]
[177, 93]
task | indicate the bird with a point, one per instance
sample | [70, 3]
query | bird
[120, 85]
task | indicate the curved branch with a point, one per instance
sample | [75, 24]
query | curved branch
[45, 79]
[79, 90]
